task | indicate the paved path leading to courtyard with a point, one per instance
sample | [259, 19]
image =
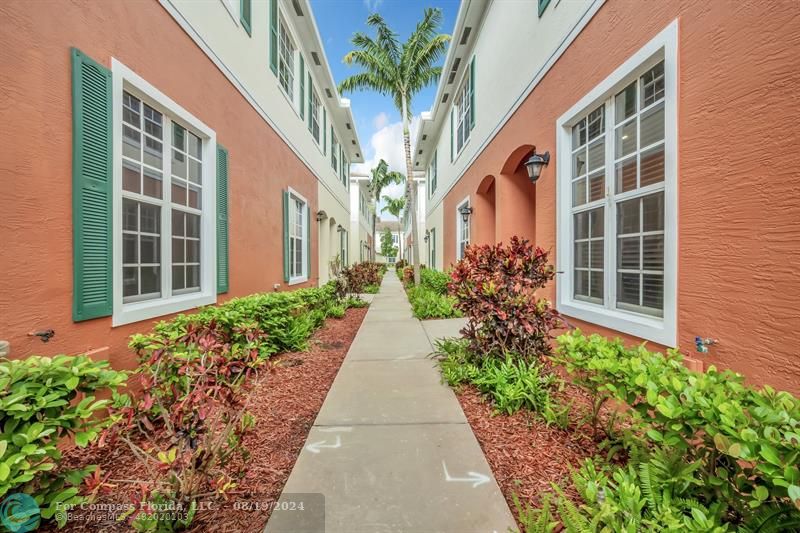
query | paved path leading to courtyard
[391, 449]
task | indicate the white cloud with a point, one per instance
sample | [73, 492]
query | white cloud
[372, 5]
[387, 144]
[380, 121]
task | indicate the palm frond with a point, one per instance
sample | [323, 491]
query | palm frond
[365, 81]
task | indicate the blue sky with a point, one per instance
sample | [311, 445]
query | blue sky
[377, 121]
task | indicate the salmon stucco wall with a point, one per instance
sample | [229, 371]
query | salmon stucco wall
[738, 178]
[36, 162]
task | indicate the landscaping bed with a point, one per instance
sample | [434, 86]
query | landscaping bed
[526, 454]
[285, 400]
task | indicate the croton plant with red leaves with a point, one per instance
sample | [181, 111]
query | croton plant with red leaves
[188, 423]
[495, 288]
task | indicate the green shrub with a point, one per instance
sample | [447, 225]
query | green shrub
[286, 320]
[44, 402]
[746, 441]
[454, 363]
[427, 304]
[652, 493]
[515, 384]
[435, 280]
[512, 384]
[356, 302]
[371, 289]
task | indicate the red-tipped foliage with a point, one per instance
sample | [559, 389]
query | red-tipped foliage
[495, 287]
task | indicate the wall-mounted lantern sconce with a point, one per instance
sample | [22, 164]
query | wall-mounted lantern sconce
[427, 235]
[339, 228]
[535, 164]
[321, 215]
[465, 211]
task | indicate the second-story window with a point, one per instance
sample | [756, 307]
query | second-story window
[314, 112]
[286, 61]
[334, 152]
[463, 102]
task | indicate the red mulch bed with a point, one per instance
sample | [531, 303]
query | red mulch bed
[527, 455]
[285, 407]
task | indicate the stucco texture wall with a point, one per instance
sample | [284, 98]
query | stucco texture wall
[738, 181]
[36, 162]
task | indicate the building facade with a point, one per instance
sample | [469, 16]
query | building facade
[670, 203]
[362, 207]
[209, 153]
[394, 230]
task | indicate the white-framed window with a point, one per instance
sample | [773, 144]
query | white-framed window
[164, 205]
[343, 247]
[433, 174]
[286, 51]
[462, 103]
[298, 237]
[334, 152]
[314, 111]
[462, 230]
[617, 198]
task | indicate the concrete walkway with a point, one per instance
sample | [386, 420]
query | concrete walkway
[390, 449]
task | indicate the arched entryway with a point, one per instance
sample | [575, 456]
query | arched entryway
[484, 212]
[515, 198]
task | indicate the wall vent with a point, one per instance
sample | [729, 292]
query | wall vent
[328, 92]
[315, 57]
[444, 98]
[348, 125]
[424, 137]
[465, 35]
[354, 142]
[297, 8]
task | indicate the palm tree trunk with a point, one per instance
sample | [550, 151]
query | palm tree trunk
[412, 196]
[372, 252]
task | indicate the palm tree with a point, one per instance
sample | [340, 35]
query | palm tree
[399, 71]
[381, 177]
[395, 207]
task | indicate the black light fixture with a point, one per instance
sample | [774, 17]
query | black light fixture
[339, 228]
[321, 215]
[427, 235]
[465, 211]
[535, 163]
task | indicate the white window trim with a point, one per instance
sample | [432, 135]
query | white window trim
[463, 90]
[306, 239]
[660, 330]
[459, 224]
[283, 23]
[126, 79]
[319, 107]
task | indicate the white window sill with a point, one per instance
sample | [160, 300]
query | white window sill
[295, 281]
[652, 329]
[149, 309]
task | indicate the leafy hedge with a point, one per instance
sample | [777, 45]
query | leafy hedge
[364, 277]
[735, 449]
[429, 299]
[45, 402]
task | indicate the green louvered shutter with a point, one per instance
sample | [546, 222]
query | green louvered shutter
[308, 239]
[222, 220]
[324, 131]
[451, 134]
[472, 93]
[245, 15]
[91, 189]
[286, 258]
[302, 87]
[310, 104]
[273, 36]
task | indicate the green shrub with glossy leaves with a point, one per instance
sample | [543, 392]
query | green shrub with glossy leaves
[746, 441]
[44, 402]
